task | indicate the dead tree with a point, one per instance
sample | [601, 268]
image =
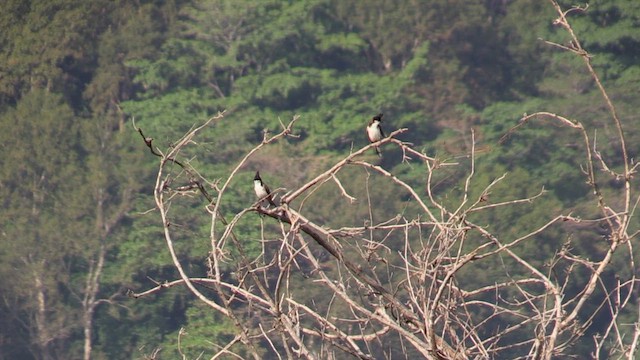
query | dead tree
[412, 296]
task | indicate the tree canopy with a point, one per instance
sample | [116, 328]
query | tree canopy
[79, 227]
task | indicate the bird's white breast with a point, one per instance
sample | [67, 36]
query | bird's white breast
[259, 189]
[373, 131]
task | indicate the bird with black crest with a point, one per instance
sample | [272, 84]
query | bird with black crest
[374, 131]
[262, 190]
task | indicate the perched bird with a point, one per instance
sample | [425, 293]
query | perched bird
[374, 131]
[261, 189]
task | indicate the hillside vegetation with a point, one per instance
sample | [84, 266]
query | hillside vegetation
[82, 238]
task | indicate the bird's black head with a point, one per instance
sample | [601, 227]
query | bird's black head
[378, 117]
[257, 177]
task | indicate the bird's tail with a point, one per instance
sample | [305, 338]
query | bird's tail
[378, 151]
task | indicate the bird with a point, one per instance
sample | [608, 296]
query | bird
[374, 131]
[262, 190]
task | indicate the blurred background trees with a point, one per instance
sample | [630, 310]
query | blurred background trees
[76, 182]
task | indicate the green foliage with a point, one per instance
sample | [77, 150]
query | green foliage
[610, 30]
[202, 331]
[74, 72]
[50, 45]
[41, 216]
[39, 140]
